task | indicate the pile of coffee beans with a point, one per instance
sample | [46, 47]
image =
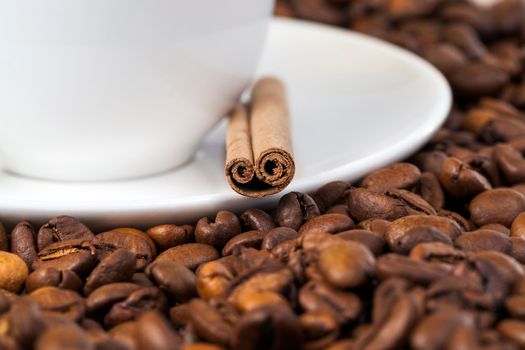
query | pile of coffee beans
[424, 254]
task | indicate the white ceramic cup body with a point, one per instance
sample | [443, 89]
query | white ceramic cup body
[112, 89]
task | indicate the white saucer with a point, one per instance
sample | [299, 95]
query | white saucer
[357, 104]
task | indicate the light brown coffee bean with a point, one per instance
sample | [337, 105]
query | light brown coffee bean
[430, 161]
[65, 337]
[431, 191]
[214, 278]
[319, 329]
[190, 255]
[515, 306]
[420, 272]
[480, 240]
[331, 223]
[67, 303]
[518, 226]
[518, 249]
[373, 241]
[126, 333]
[396, 176]
[513, 330]
[208, 323]
[13, 272]
[225, 227]
[499, 206]
[169, 235]
[140, 233]
[378, 226]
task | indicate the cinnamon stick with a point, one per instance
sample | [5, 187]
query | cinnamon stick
[259, 155]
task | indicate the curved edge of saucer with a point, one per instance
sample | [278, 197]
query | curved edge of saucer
[158, 210]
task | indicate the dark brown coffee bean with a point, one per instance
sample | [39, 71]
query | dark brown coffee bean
[62, 228]
[396, 176]
[330, 194]
[430, 161]
[52, 277]
[140, 233]
[277, 236]
[320, 297]
[499, 206]
[420, 272]
[373, 241]
[331, 223]
[378, 226]
[65, 302]
[365, 204]
[168, 235]
[480, 240]
[176, 279]
[497, 227]
[76, 256]
[107, 242]
[250, 239]
[319, 329]
[155, 333]
[338, 209]
[445, 57]
[4, 239]
[137, 303]
[209, 324]
[126, 333]
[477, 80]
[515, 305]
[254, 327]
[466, 38]
[418, 235]
[503, 129]
[109, 294]
[13, 272]
[402, 226]
[513, 330]
[346, 264]
[201, 346]
[23, 242]
[294, 209]
[69, 337]
[225, 227]
[257, 220]
[118, 266]
[318, 10]
[431, 191]
[510, 162]
[460, 180]
[141, 279]
[190, 255]
[25, 323]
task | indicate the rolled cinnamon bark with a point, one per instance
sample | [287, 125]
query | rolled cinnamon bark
[259, 155]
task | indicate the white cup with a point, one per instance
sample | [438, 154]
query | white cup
[112, 89]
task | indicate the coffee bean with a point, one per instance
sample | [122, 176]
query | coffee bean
[4, 239]
[477, 80]
[294, 209]
[51, 277]
[513, 330]
[515, 305]
[251, 239]
[257, 220]
[480, 240]
[126, 333]
[392, 265]
[248, 302]
[154, 332]
[396, 176]
[23, 242]
[190, 255]
[209, 324]
[118, 266]
[418, 235]
[318, 10]
[373, 241]
[497, 227]
[107, 242]
[346, 264]
[460, 180]
[445, 57]
[75, 255]
[338, 209]
[518, 226]
[225, 227]
[430, 161]
[140, 233]
[511, 163]
[277, 236]
[437, 251]
[330, 194]
[65, 302]
[13, 272]
[431, 191]
[518, 249]
[25, 322]
[253, 328]
[331, 223]
[65, 337]
[62, 228]
[214, 278]
[168, 235]
[176, 279]
[104, 297]
[466, 38]
[499, 206]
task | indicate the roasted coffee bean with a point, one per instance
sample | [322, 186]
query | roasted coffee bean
[137, 303]
[515, 305]
[518, 226]
[460, 180]
[483, 239]
[466, 38]
[294, 209]
[346, 264]
[331, 223]
[497, 227]
[418, 235]
[431, 191]
[396, 176]
[257, 220]
[23, 242]
[62, 228]
[25, 322]
[513, 330]
[65, 337]
[378, 226]
[445, 57]
[168, 235]
[338, 209]
[254, 328]
[77, 256]
[4, 239]
[126, 333]
[13, 272]
[392, 265]
[510, 162]
[141, 279]
[318, 10]
[330, 194]
[140, 233]
[65, 302]
[437, 251]
[107, 242]
[430, 161]
[118, 266]
[225, 227]
[477, 80]
[250, 239]
[208, 322]
[155, 333]
[319, 329]
[499, 206]
[190, 255]
[175, 278]
[51, 277]
[214, 278]
[277, 236]
[373, 241]
[109, 294]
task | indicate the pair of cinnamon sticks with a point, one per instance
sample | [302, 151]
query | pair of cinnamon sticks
[259, 155]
